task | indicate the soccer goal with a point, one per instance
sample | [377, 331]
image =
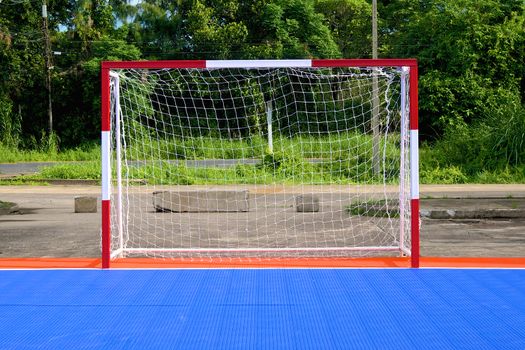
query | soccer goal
[262, 159]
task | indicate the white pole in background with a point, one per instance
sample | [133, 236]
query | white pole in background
[375, 96]
[269, 123]
[48, 66]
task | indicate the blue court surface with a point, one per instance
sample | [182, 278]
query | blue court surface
[263, 309]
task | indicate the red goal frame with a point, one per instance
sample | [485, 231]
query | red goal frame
[410, 64]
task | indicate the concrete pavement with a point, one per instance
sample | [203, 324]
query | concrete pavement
[47, 227]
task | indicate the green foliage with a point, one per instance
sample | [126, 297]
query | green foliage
[494, 143]
[470, 53]
[293, 162]
[10, 154]
[288, 166]
[77, 104]
[49, 143]
[22, 92]
[471, 56]
[288, 29]
[458, 175]
[163, 173]
[448, 175]
[216, 28]
[507, 175]
[350, 22]
[507, 134]
[10, 125]
[86, 170]
[465, 100]
[491, 149]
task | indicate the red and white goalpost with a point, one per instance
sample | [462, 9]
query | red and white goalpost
[260, 159]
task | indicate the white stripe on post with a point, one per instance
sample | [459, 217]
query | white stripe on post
[106, 165]
[414, 164]
[258, 63]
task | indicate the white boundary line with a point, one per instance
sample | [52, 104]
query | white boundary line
[219, 250]
[259, 268]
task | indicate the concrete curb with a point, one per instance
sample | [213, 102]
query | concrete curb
[473, 214]
[473, 208]
[215, 201]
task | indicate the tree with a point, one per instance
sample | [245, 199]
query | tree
[215, 30]
[287, 29]
[22, 91]
[470, 53]
[157, 29]
[90, 38]
[350, 24]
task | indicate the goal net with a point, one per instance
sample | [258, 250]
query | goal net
[259, 159]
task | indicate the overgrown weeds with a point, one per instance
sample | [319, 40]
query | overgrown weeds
[467, 156]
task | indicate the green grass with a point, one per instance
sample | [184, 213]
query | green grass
[79, 171]
[343, 159]
[346, 161]
[276, 168]
[14, 155]
[290, 172]
[23, 181]
[449, 175]
[436, 168]
[336, 146]
[83, 171]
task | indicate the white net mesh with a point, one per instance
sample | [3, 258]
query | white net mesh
[260, 162]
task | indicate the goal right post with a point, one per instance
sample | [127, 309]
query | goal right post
[414, 166]
[252, 161]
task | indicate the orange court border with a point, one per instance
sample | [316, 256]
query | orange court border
[151, 263]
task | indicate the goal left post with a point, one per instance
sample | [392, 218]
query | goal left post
[106, 166]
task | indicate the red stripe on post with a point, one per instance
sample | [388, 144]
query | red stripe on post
[154, 64]
[106, 234]
[387, 62]
[414, 110]
[105, 96]
[414, 207]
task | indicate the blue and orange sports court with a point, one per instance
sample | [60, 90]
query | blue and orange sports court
[446, 304]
